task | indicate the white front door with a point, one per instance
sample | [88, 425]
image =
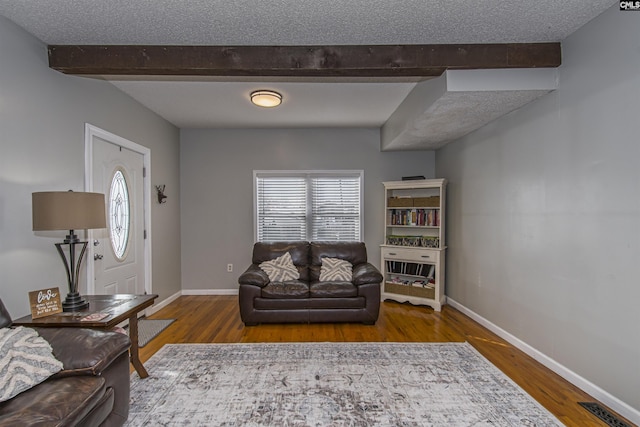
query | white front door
[118, 252]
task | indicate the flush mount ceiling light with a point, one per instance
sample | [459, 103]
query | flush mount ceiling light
[266, 98]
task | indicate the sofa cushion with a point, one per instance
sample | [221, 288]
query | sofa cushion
[255, 276]
[265, 251]
[281, 304]
[27, 360]
[63, 401]
[337, 303]
[299, 251]
[354, 252]
[332, 290]
[336, 270]
[289, 289]
[366, 273]
[85, 351]
[309, 303]
[280, 269]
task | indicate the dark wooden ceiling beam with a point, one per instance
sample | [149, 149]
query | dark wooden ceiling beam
[298, 61]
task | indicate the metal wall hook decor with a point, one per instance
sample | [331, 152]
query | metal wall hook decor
[161, 196]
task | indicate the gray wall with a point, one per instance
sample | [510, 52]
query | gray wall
[544, 213]
[217, 188]
[42, 119]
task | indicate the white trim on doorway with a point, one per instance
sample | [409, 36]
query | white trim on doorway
[90, 134]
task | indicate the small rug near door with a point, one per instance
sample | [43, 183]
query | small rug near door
[329, 384]
[148, 329]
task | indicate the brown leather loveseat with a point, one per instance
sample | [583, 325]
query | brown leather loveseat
[91, 390]
[308, 299]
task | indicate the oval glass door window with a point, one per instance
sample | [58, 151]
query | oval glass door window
[119, 210]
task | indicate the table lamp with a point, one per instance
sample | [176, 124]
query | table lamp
[69, 210]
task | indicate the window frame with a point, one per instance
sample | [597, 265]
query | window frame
[120, 256]
[308, 175]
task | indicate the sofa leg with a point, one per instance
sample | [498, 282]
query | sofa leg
[369, 323]
[250, 324]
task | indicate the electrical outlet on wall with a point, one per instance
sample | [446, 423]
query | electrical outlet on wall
[229, 268]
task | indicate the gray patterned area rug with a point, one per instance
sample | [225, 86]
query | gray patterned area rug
[329, 384]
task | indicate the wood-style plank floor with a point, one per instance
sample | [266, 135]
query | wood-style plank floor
[216, 319]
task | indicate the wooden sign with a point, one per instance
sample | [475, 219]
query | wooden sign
[45, 302]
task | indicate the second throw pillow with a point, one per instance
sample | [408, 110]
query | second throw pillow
[336, 270]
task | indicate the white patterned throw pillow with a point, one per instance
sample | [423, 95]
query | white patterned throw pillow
[336, 270]
[26, 359]
[281, 269]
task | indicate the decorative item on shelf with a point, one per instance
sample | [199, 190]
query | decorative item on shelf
[414, 241]
[411, 241]
[429, 242]
[394, 240]
[69, 210]
[413, 178]
[426, 202]
[400, 202]
[161, 196]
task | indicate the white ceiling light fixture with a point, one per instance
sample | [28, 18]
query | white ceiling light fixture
[266, 98]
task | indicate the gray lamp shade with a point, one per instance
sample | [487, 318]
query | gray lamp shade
[68, 210]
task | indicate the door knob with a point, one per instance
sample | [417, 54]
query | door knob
[96, 242]
[97, 257]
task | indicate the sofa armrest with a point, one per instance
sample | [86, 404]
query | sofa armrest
[84, 351]
[255, 276]
[366, 273]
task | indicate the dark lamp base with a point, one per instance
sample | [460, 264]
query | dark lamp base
[74, 302]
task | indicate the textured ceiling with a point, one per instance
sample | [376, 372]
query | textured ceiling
[448, 107]
[300, 22]
[196, 104]
[309, 103]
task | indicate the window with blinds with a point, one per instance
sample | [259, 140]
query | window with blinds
[308, 205]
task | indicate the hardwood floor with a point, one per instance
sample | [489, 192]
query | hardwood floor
[216, 319]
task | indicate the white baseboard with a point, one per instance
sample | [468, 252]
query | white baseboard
[165, 302]
[598, 393]
[210, 292]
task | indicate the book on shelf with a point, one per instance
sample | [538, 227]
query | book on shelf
[423, 284]
[415, 217]
[425, 271]
[432, 272]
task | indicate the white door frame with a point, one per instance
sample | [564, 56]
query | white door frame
[90, 134]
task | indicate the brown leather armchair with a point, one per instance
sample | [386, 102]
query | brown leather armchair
[309, 300]
[91, 390]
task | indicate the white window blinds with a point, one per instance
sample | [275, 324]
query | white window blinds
[282, 208]
[335, 208]
[308, 206]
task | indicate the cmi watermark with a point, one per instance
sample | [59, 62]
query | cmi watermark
[630, 5]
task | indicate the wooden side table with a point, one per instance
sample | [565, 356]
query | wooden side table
[116, 308]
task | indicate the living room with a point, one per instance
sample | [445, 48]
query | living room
[534, 198]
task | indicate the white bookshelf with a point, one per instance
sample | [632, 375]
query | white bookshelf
[413, 253]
